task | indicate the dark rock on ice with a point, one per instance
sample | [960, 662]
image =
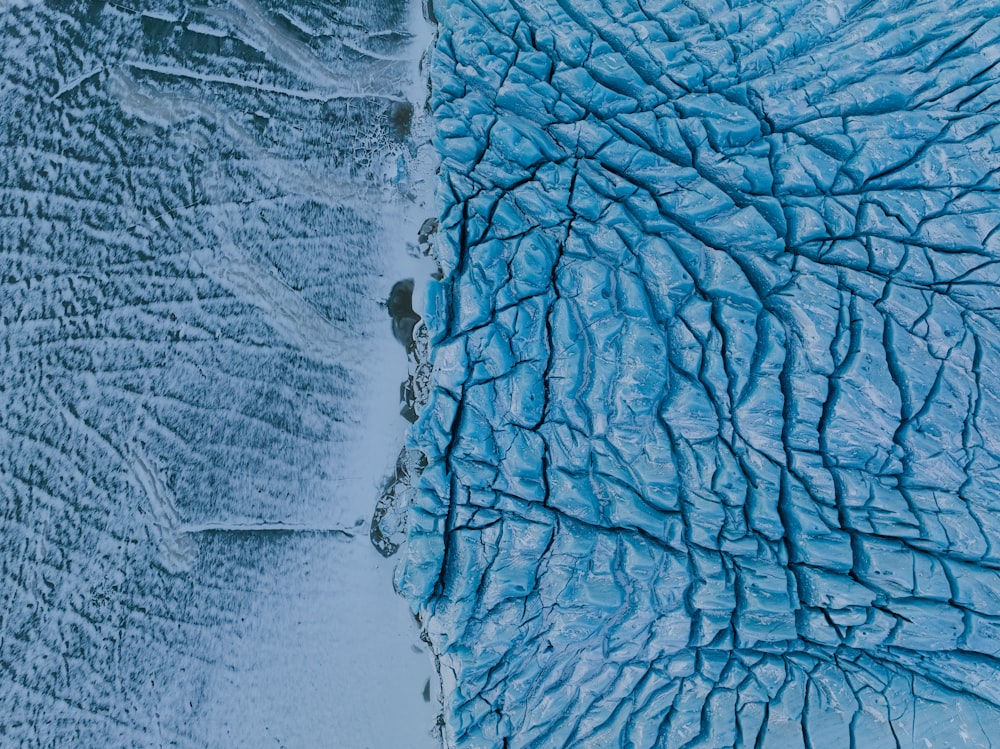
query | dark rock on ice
[400, 306]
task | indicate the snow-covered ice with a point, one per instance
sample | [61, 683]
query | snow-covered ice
[202, 211]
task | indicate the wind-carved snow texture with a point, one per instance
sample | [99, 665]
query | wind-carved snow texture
[713, 448]
[192, 228]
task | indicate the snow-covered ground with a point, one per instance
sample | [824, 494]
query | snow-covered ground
[202, 211]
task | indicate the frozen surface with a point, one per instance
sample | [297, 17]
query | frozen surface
[202, 210]
[714, 445]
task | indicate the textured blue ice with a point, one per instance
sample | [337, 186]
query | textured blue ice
[714, 443]
[197, 226]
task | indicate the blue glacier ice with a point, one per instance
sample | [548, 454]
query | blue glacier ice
[713, 445]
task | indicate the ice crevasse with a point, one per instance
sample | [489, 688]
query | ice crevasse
[713, 443]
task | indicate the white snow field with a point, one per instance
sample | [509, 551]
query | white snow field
[202, 211]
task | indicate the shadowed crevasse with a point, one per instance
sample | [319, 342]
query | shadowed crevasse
[712, 450]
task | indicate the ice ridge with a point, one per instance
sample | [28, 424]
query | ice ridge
[712, 450]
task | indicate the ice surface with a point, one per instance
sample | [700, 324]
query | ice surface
[713, 447]
[202, 211]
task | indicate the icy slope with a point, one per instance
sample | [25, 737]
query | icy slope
[713, 451]
[200, 213]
